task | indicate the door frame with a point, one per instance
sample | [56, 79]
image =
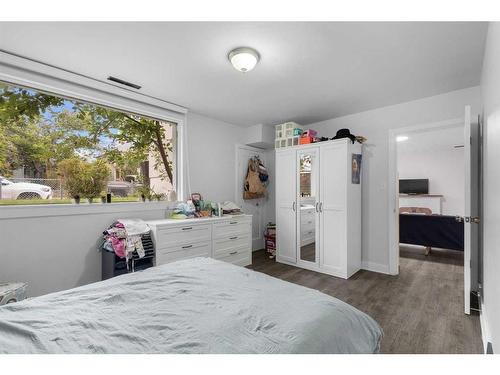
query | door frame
[393, 187]
[237, 191]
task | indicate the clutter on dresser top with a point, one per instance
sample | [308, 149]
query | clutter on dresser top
[196, 207]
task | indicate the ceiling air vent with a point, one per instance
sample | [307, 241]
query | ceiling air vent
[122, 82]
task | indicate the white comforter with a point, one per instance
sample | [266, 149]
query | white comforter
[193, 306]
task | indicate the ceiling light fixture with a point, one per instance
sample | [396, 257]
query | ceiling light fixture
[244, 59]
[401, 138]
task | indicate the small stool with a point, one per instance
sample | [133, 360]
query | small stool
[12, 292]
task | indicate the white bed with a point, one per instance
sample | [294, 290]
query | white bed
[197, 305]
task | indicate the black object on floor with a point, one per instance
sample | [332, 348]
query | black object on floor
[113, 265]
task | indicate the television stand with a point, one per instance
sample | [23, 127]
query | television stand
[432, 201]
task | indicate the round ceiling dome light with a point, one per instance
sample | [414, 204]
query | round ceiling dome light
[244, 59]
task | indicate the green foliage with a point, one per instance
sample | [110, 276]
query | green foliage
[141, 134]
[145, 191]
[72, 171]
[97, 179]
[19, 104]
[35, 132]
[84, 179]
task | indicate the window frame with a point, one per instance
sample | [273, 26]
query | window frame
[23, 72]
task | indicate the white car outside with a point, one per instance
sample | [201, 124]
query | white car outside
[23, 190]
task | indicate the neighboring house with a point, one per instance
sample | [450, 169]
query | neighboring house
[158, 183]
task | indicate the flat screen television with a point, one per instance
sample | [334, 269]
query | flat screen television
[414, 186]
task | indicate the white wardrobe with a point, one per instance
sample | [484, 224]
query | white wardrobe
[318, 207]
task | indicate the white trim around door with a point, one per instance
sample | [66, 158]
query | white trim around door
[393, 188]
[258, 222]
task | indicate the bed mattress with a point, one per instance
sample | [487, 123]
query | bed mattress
[197, 305]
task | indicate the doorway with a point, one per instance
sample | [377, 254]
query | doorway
[433, 211]
[255, 207]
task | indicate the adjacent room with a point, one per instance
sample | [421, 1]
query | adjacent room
[262, 187]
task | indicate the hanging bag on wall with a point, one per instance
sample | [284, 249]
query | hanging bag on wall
[254, 187]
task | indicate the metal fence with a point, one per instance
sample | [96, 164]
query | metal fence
[17, 190]
[54, 183]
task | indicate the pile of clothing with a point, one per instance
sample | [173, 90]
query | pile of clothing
[230, 208]
[124, 237]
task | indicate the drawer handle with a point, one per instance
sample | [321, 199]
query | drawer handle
[233, 238]
[187, 228]
[233, 252]
[187, 246]
[233, 222]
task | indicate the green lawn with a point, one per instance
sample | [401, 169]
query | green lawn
[20, 202]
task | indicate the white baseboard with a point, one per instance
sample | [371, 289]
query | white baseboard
[375, 267]
[485, 332]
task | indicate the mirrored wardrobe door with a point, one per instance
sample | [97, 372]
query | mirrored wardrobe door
[308, 183]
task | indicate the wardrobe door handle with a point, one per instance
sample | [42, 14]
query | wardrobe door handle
[233, 222]
[187, 228]
[233, 252]
[293, 206]
[233, 238]
[321, 207]
[316, 206]
[187, 246]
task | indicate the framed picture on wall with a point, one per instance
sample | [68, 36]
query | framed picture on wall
[356, 169]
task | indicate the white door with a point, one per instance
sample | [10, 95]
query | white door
[332, 207]
[471, 229]
[254, 207]
[286, 206]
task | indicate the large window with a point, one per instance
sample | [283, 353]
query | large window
[57, 150]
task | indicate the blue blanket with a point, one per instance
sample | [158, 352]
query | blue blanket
[192, 306]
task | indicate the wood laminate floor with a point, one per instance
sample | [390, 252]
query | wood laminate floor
[420, 310]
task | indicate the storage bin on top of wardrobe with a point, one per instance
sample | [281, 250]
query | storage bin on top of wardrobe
[318, 207]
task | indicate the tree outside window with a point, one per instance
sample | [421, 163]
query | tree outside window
[41, 134]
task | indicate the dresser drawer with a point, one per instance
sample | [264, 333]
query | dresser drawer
[307, 220]
[179, 252]
[239, 256]
[231, 228]
[187, 234]
[224, 246]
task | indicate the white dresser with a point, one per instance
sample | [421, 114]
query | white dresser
[227, 238]
[307, 225]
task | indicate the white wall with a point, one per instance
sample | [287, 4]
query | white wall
[55, 248]
[212, 163]
[211, 147]
[445, 172]
[442, 164]
[59, 251]
[490, 90]
[375, 125]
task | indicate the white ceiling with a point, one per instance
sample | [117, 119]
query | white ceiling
[440, 139]
[308, 71]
